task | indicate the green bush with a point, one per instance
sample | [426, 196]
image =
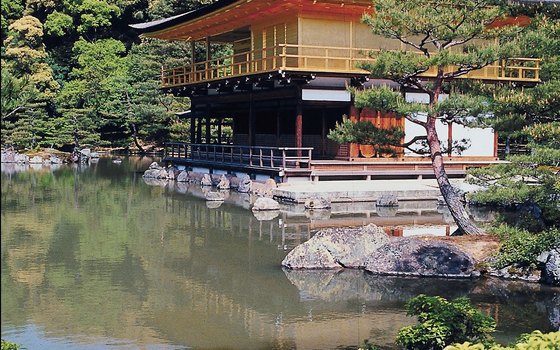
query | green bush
[522, 247]
[533, 341]
[6, 345]
[443, 322]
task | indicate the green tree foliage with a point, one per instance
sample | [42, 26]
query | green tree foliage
[74, 73]
[90, 100]
[166, 8]
[25, 54]
[28, 86]
[10, 11]
[59, 24]
[443, 322]
[150, 114]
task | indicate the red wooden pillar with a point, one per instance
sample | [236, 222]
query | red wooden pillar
[299, 121]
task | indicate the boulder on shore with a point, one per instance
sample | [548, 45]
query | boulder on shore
[245, 185]
[337, 248]
[264, 203]
[156, 172]
[416, 257]
[551, 266]
[206, 180]
[224, 183]
[183, 176]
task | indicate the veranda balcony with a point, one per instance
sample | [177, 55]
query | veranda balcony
[321, 59]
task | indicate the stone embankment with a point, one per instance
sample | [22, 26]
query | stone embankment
[48, 157]
[224, 182]
[369, 248]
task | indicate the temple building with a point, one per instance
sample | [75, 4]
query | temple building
[285, 85]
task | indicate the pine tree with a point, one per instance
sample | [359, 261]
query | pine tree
[448, 39]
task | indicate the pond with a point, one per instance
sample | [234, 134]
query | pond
[93, 257]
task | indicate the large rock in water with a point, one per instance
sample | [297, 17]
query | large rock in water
[336, 248]
[415, 257]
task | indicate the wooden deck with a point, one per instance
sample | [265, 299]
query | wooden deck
[321, 59]
[292, 163]
[369, 169]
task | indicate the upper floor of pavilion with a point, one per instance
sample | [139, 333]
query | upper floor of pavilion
[304, 37]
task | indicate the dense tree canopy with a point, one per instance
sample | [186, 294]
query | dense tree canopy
[75, 74]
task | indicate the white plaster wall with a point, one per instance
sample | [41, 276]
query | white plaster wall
[481, 140]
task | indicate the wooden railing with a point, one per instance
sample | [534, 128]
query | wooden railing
[324, 59]
[266, 158]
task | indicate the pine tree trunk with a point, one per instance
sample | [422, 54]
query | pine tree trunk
[135, 138]
[449, 193]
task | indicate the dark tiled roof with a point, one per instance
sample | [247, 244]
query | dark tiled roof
[160, 24]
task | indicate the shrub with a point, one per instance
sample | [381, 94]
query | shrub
[6, 345]
[443, 323]
[522, 247]
[533, 341]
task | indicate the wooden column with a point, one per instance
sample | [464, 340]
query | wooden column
[193, 129]
[220, 119]
[495, 144]
[449, 139]
[207, 65]
[199, 130]
[323, 133]
[207, 136]
[252, 126]
[193, 60]
[277, 128]
[299, 121]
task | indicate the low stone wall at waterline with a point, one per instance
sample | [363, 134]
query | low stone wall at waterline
[242, 184]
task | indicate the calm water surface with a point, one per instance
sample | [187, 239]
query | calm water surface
[94, 257]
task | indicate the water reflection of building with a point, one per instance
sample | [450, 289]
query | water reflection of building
[293, 224]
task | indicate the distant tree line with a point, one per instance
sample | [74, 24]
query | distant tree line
[74, 74]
